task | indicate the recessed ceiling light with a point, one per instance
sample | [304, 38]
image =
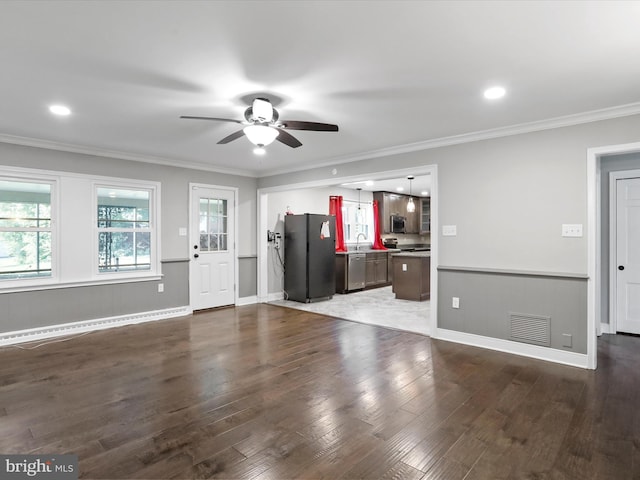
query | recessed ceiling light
[60, 110]
[400, 189]
[425, 193]
[369, 183]
[494, 93]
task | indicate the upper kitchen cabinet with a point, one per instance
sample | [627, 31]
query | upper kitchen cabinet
[413, 218]
[396, 204]
[425, 215]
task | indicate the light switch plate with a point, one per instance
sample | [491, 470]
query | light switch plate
[404, 267]
[449, 230]
[571, 229]
[182, 231]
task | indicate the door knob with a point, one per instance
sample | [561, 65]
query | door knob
[195, 255]
[620, 267]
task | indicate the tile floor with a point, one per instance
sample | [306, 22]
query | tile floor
[377, 306]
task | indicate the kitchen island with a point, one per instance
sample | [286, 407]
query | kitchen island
[412, 275]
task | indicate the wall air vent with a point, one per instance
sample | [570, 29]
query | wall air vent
[527, 328]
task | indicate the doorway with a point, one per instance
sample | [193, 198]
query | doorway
[625, 251]
[212, 231]
[264, 226]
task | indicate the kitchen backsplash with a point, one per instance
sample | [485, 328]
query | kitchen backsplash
[406, 239]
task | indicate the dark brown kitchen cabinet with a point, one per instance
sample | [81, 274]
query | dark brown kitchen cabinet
[412, 276]
[413, 218]
[376, 269]
[425, 215]
[396, 204]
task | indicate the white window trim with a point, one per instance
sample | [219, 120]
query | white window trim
[369, 214]
[60, 277]
[52, 180]
[154, 224]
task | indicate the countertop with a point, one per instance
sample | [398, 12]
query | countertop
[369, 250]
[412, 254]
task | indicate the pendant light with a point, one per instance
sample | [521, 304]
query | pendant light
[359, 210]
[411, 207]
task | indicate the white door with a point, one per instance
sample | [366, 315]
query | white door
[628, 255]
[212, 249]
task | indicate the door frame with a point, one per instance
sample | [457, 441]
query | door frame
[234, 190]
[594, 246]
[613, 250]
[263, 208]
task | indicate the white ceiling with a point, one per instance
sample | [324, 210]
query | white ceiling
[389, 73]
[417, 186]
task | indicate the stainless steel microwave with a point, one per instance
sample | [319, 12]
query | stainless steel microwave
[398, 224]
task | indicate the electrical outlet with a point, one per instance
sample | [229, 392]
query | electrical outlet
[449, 230]
[455, 302]
[567, 340]
[571, 230]
[160, 287]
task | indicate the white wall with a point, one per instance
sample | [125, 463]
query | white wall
[308, 200]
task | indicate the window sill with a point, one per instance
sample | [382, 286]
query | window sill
[85, 283]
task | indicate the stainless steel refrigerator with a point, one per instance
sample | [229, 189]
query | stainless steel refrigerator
[309, 257]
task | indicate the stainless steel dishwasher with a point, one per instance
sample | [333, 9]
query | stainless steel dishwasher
[356, 271]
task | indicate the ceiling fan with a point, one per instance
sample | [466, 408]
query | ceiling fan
[263, 126]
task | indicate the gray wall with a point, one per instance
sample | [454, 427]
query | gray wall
[508, 197]
[248, 272]
[484, 311]
[130, 297]
[40, 308]
[608, 164]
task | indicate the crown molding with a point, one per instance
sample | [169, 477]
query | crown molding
[134, 157]
[518, 129]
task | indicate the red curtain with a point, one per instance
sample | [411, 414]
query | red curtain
[377, 238]
[335, 209]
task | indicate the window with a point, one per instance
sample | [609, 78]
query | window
[25, 229]
[358, 221]
[68, 229]
[213, 224]
[124, 229]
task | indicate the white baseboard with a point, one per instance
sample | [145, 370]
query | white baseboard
[273, 297]
[605, 328]
[51, 331]
[247, 300]
[516, 348]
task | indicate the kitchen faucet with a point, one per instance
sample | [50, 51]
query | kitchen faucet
[358, 240]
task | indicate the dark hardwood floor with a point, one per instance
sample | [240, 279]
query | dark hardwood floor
[267, 392]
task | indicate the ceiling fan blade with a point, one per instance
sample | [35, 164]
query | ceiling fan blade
[314, 126]
[211, 118]
[232, 137]
[288, 139]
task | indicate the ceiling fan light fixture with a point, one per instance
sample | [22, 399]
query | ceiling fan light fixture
[260, 135]
[259, 150]
[262, 110]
